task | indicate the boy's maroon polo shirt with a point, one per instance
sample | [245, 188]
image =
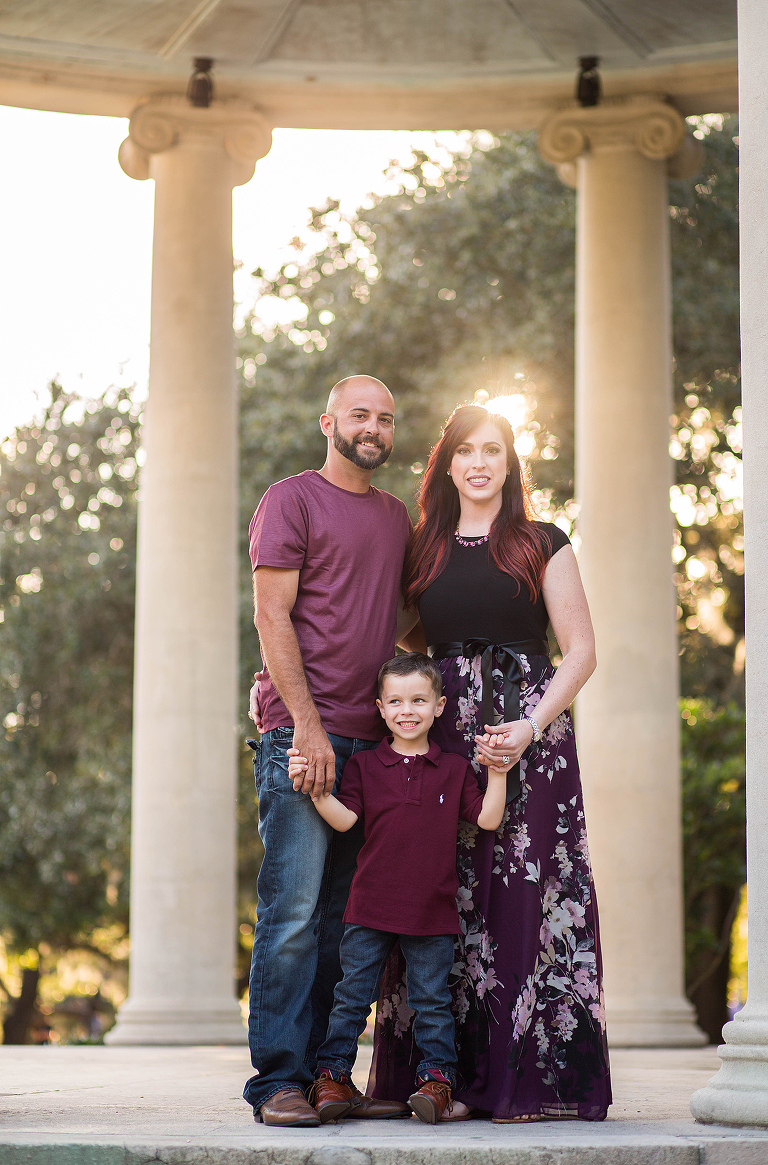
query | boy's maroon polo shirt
[406, 879]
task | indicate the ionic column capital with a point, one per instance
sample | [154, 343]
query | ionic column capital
[644, 122]
[158, 124]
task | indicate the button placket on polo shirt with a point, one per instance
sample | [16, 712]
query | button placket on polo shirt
[413, 779]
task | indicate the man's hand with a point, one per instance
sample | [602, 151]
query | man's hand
[500, 740]
[311, 744]
[297, 767]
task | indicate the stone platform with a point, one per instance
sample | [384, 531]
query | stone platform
[183, 1106]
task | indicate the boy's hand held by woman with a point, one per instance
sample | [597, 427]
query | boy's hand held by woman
[504, 740]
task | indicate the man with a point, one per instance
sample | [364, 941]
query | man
[327, 554]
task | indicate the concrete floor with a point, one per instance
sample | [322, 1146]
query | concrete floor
[178, 1106]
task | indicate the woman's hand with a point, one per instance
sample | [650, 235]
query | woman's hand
[503, 741]
[254, 708]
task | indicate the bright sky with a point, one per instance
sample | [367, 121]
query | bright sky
[76, 241]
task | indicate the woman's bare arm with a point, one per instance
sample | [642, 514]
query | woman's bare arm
[571, 622]
[410, 634]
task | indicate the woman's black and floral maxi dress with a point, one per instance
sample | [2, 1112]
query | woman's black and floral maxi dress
[526, 983]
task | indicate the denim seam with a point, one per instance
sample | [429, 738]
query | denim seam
[323, 903]
[264, 947]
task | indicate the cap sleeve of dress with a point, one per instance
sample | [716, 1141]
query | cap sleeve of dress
[553, 537]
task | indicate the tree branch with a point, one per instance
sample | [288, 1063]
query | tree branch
[5, 990]
[725, 940]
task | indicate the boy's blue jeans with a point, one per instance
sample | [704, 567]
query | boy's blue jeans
[303, 888]
[364, 953]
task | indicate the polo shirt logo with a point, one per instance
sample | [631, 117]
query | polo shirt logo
[441, 798]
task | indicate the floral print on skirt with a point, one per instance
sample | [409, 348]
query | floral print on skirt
[526, 982]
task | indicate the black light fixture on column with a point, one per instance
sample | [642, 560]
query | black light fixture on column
[200, 87]
[589, 90]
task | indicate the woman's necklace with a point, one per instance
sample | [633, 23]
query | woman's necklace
[473, 542]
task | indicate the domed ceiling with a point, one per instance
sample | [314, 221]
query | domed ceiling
[368, 63]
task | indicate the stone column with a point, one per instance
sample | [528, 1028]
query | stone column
[627, 716]
[738, 1094]
[183, 839]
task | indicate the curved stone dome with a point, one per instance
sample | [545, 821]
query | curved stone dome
[407, 63]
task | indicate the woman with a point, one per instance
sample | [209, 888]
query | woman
[486, 579]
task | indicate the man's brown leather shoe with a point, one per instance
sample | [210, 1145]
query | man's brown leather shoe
[289, 1108]
[331, 1098]
[431, 1101]
[369, 1108]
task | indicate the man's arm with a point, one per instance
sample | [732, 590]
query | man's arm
[274, 592]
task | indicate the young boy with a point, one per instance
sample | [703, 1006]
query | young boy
[411, 797]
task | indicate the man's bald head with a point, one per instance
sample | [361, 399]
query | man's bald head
[342, 387]
[359, 421]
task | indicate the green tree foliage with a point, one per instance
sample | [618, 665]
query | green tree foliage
[67, 552]
[707, 441]
[714, 850]
[464, 281]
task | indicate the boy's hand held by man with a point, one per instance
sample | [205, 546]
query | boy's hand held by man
[311, 743]
[297, 767]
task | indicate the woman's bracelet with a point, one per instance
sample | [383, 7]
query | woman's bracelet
[537, 733]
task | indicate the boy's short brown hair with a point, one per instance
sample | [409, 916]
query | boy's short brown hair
[412, 663]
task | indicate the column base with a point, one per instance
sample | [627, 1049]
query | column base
[666, 1025]
[738, 1094]
[155, 1022]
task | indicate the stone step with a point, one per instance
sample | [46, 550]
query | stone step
[183, 1106]
[327, 1147]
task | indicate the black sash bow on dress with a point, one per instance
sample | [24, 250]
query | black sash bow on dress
[507, 656]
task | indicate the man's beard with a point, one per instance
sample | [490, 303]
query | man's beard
[349, 449]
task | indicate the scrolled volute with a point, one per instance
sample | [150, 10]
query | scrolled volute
[153, 130]
[659, 134]
[562, 140]
[161, 123]
[648, 123]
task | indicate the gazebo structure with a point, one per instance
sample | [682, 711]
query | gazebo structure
[435, 64]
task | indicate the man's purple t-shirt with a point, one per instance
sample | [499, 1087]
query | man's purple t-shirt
[349, 550]
[406, 880]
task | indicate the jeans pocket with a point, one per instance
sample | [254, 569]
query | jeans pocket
[275, 762]
[256, 746]
[281, 737]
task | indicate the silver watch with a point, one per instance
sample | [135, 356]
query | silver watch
[537, 733]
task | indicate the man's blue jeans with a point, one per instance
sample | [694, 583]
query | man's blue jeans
[428, 960]
[303, 888]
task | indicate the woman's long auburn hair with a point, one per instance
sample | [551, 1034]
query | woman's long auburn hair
[516, 546]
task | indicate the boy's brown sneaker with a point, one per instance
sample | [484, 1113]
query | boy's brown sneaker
[431, 1101]
[330, 1098]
